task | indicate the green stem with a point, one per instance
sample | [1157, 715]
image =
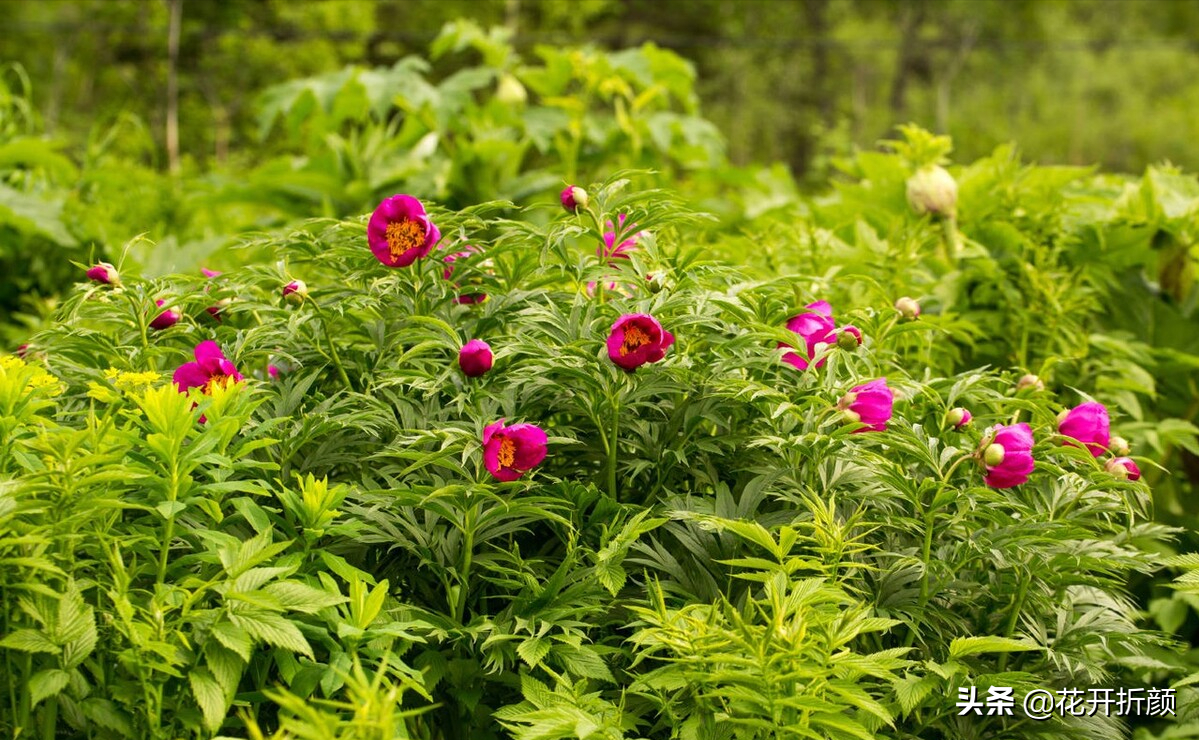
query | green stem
[341, 371]
[1014, 616]
[929, 518]
[50, 718]
[169, 532]
[468, 546]
[949, 239]
[613, 447]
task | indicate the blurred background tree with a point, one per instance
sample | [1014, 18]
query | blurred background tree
[1107, 82]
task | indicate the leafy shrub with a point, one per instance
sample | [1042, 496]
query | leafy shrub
[708, 550]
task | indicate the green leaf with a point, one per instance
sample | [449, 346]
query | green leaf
[209, 697]
[30, 641]
[963, 646]
[47, 683]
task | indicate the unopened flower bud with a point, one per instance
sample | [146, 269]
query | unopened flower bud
[573, 198]
[908, 307]
[958, 417]
[1029, 381]
[933, 190]
[104, 273]
[295, 291]
[1123, 468]
[509, 91]
[1119, 446]
[475, 358]
[849, 338]
[993, 455]
[654, 282]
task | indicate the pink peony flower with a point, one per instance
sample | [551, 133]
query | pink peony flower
[612, 250]
[1006, 453]
[295, 291]
[511, 451]
[637, 338]
[463, 298]
[399, 231]
[272, 371]
[816, 326]
[958, 417]
[209, 273]
[573, 198]
[166, 319]
[210, 369]
[217, 308]
[104, 273]
[1123, 468]
[475, 358]
[870, 404]
[1088, 423]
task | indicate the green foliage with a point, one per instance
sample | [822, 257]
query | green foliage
[708, 550]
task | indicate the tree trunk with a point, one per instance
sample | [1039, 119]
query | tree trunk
[172, 123]
[911, 16]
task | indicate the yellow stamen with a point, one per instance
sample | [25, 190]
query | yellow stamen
[217, 381]
[507, 453]
[403, 236]
[634, 337]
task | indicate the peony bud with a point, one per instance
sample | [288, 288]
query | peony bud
[272, 371]
[1006, 454]
[933, 190]
[166, 319]
[1088, 423]
[870, 403]
[1123, 468]
[993, 455]
[1119, 446]
[908, 307]
[958, 417]
[1029, 381]
[510, 92]
[295, 291]
[104, 273]
[475, 358]
[849, 338]
[573, 198]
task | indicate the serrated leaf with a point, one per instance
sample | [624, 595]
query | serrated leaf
[302, 598]
[47, 683]
[274, 630]
[30, 641]
[209, 697]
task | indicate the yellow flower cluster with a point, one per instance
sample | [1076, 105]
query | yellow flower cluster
[122, 382]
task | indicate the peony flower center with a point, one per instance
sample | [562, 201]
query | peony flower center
[634, 338]
[217, 381]
[507, 453]
[403, 236]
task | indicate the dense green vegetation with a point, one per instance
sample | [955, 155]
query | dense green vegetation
[709, 477]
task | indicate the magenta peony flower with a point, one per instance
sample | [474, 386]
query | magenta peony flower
[1123, 468]
[272, 371]
[870, 404]
[399, 231]
[166, 319]
[463, 298]
[573, 198]
[295, 291]
[211, 369]
[104, 273]
[612, 250]
[217, 308]
[209, 273]
[1006, 453]
[475, 358]
[511, 451]
[637, 338]
[816, 326]
[958, 417]
[1088, 423]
